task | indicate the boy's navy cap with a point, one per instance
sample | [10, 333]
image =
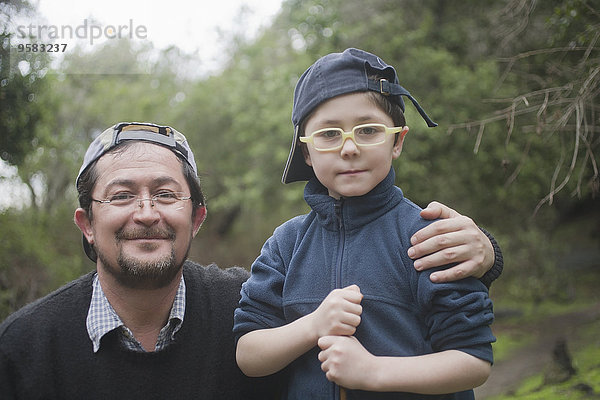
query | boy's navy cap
[141, 131]
[333, 75]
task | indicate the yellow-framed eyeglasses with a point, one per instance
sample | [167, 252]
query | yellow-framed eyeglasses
[332, 139]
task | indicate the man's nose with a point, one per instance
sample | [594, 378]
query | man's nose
[146, 212]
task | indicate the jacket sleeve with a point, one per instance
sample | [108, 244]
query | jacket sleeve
[261, 295]
[458, 315]
[493, 273]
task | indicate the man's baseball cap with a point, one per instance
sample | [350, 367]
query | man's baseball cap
[141, 131]
[144, 131]
[333, 75]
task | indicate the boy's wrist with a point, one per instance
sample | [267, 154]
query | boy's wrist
[376, 374]
[312, 331]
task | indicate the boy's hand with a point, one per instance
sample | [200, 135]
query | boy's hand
[453, 239]
[339, 313]
[346, 362]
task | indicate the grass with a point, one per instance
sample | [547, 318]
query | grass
[587, 363]
[508, 343]
[585, 384]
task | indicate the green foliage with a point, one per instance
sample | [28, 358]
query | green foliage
[21, 80]
[512, 84]
[38, 252]
[574, 19]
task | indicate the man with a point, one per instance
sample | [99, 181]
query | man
[148, 323]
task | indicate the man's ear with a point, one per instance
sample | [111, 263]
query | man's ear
[82, 220]
[397, 150]
[199, 218]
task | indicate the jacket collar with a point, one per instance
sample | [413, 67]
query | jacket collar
[355, 211]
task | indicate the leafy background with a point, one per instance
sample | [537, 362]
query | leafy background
[513, 85]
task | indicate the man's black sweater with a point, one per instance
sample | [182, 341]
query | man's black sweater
[46, 353]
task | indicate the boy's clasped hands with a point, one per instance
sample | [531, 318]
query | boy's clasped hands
[342, 357]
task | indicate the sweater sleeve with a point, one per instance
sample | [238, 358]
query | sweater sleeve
[261, 295]
[493, 273]
[458, 316]
[6, 376]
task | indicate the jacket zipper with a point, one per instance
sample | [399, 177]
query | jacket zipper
[338, 268]
[342, 240]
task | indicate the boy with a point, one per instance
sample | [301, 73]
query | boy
[334, 280]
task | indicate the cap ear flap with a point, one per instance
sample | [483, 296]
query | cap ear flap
[296, 167]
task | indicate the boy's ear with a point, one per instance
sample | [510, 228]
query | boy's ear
[306, 154]
[397, 150]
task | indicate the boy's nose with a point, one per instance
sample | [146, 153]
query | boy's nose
[349, 148]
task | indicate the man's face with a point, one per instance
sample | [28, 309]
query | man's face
[141, 245]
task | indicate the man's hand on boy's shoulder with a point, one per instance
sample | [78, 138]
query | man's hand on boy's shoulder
[455, 238]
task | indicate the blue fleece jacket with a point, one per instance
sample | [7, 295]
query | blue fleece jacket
[362, 240]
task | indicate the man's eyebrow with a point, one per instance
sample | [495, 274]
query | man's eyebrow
[128, 183]
[161, 180]
[120, 182]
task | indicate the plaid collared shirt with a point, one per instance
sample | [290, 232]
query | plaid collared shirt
[102, 319]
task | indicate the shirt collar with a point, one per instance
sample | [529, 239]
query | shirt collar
[102, 318]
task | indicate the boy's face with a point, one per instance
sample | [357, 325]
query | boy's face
[351, 170]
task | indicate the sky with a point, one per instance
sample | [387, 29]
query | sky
[191, 25]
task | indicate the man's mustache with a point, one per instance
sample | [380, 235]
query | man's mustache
[150, 233]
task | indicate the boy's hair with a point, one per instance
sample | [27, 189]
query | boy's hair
[341, 73]
[395, 112]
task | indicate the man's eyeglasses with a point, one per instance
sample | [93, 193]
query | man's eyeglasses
[331, 139]
[162, 200]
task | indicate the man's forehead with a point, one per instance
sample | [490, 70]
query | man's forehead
[133, 151]
[138, 156]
